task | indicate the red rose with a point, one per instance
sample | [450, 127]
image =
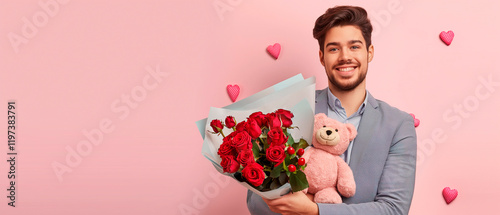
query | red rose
[273, 120]
[230, 122]
[229, 138]
[285, 116]
[241, 126]
[254, 174]
[253, 128]
[216, 125]
[275, 154]
[245, 157]
[275, 136]
[229, 164]
[242, 141]
[259, 117]
[226, 149]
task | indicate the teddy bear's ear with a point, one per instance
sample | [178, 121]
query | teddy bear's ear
[319, 119]
[320, 116]
[352, 131]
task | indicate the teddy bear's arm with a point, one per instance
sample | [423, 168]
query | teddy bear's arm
[307, 153]
[345, 184]
[306, 157]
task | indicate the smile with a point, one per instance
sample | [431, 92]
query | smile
[346, 69]
[327, 138]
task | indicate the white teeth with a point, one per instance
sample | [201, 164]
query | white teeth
[346, 69]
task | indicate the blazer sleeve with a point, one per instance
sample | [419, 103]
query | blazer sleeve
[395, 190]
[257, 206]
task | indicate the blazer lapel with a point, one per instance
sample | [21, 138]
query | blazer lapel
[321, 105]
[366, 129]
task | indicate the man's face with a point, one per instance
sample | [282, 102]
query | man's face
[345, 57]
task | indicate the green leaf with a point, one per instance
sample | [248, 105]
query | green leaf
[298, 181]
[287, 160]
[266, 183]
[276, 171]
[294, 160]
[266, 146]
[290, 139]
[264, 132]
[283, 178]
[275, 184]
[303, 143]
[255, 150]
[259, 188]
[268, 173]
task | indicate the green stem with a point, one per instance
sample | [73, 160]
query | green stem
[222, 133]
[284, 166]
[262, 141]
[235, 123]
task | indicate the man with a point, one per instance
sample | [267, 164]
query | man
[383, 155]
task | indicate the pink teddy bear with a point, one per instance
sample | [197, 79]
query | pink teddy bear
[327, 173]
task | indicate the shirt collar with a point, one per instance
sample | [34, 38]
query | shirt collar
[335, 104]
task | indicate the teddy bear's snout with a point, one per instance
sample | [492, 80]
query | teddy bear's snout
[327, 136]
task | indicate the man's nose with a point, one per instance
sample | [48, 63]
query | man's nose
[344, 56]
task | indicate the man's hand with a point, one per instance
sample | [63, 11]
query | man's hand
[293, 203]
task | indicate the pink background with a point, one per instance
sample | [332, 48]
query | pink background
[85, 57]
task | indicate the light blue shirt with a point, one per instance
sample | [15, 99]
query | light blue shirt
[337, 112]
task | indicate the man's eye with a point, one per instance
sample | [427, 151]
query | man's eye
[355, 47]
[333, 49]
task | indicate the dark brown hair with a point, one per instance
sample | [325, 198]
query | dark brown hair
[342, 16]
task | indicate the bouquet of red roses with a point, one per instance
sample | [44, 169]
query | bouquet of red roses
[261, 152]
[258, 151]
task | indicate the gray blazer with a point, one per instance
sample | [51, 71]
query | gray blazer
[383, 161]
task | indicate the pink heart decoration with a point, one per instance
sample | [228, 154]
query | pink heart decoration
[233, 91]
[447, 37]
[274, 50]
[416, 122]
[449, 194]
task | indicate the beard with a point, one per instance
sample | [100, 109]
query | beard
[349, 86]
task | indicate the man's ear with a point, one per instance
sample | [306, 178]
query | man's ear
[370, 53]
[321, 58]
